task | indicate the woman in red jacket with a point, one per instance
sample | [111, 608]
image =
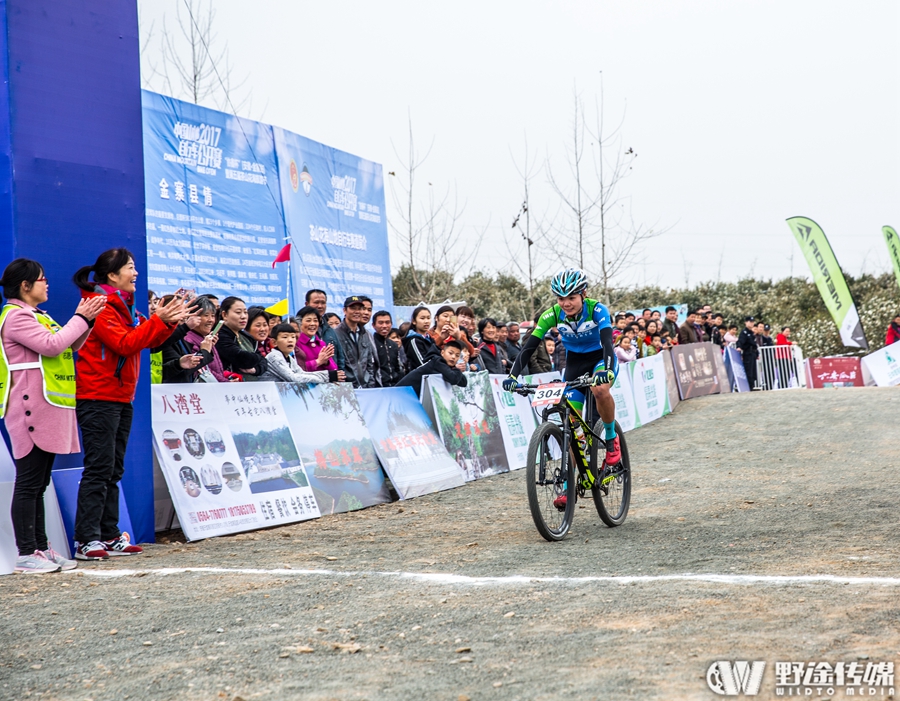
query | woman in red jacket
[893, 332]
[107, 370]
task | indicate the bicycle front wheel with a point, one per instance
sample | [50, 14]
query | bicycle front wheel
[612, 487]
[550, 474]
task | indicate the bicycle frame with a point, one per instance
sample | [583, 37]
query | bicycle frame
[567, 412]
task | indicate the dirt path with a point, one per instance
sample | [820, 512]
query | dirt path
[455, 595]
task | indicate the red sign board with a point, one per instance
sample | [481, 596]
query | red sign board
[833, 372]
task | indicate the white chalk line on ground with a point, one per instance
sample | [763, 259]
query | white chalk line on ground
[446, 578]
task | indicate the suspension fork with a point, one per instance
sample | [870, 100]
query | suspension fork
[567, 432]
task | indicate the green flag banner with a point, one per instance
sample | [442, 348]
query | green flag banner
[893, 244]
[830, 280]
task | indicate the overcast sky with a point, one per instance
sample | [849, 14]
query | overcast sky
[742, 113]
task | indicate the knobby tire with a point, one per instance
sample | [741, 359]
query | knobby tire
[552, 524]
[612, 506]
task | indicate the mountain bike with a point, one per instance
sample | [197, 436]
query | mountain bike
[567, 457]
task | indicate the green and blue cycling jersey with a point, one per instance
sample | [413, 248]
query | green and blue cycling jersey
[587, 339]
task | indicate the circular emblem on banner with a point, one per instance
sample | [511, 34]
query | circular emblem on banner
[295, 180]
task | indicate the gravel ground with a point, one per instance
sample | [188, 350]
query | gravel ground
[455, 595]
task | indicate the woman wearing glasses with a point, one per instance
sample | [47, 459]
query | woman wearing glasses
[37, 401]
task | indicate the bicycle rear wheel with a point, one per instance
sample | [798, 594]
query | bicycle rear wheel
[612, 486]
[549, 473]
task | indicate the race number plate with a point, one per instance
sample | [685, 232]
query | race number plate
[546, 395]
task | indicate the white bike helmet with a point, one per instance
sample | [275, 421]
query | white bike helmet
[568, 282]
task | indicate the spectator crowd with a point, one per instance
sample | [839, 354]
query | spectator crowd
[56, 402]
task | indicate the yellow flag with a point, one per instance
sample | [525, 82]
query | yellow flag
[279, 308]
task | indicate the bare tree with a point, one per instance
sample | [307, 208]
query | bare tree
[428, 228]
[193, 61]
[601, 216]
[577, 199]
[528, 234]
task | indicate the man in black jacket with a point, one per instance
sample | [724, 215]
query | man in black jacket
[670, 323]
[513, 347]
[746, 344]
[358, 346]
[445, 366]
[387, 351]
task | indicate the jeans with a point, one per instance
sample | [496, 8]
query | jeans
[105, 427]
[32, 478]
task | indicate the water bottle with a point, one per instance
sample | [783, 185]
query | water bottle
[579, 436]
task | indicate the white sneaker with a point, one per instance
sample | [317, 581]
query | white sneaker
[36, 563]
[64, 563]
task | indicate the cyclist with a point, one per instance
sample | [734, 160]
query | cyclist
[586, 334]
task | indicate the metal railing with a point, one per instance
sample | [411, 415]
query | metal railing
[780, 367]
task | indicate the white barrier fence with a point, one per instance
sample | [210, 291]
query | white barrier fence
[780, 367]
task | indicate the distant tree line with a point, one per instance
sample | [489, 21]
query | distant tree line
[792, 301]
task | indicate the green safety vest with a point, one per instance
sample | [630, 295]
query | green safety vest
[156, 365]
[58, 373]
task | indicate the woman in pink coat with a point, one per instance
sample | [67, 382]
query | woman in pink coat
[312, 353]
[32, 345]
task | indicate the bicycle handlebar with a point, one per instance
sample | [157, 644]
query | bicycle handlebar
[585, 380]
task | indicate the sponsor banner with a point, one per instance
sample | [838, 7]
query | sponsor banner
[228, 457]
[883, 365]
[833, 372]
[719, 361]
[734, 366]
[410, 450]
[335, 217]
[648, 384]
[830, 280]
[468, 423]
[334, 444]
[695, 369]
[213, 205]
[671, 381]
[517, 422]
[893, 244]
[623, 394]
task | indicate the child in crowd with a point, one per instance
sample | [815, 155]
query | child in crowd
[619, 326]
[284, 368]
[444, 365]
[394, 336]
[631, 331]
[640, 341]
[550, 345]
[625, 352]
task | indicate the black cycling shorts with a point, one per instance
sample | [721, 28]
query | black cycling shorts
[578, 364]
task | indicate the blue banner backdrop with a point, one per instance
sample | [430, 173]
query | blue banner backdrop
[71, 168]
[214, 214]
[335, 218]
